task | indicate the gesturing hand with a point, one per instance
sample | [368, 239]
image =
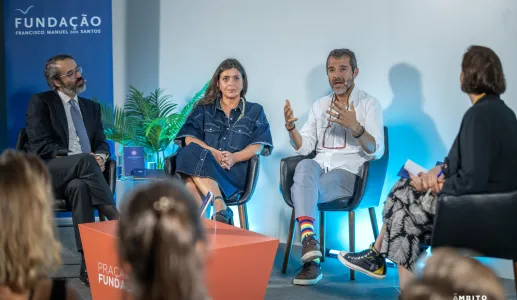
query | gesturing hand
[288, 115]
[342, 116]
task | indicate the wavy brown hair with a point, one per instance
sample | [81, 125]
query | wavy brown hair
[448, 274]
[159, 230]
[29, 250]
[213, 92]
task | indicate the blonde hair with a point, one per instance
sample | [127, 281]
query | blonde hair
[448, 274]
[29, 250]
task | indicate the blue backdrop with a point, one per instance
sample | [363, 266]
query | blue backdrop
[36, 30]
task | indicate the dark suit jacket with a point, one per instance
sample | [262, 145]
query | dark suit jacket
[47, 126]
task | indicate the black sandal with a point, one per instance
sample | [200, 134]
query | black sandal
[224, 216]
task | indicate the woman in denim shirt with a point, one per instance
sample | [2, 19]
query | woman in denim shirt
[223, 132]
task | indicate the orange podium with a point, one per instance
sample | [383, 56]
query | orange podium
[239, 265]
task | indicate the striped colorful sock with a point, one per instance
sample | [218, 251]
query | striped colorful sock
[306, 226]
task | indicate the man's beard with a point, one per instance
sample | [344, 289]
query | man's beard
[75, 88]
[346, 85]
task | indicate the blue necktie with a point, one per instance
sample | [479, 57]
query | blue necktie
[79, 127]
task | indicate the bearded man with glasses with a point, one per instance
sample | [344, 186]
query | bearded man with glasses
[65, 130]
[344, 129]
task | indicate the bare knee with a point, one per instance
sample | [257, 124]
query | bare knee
[189, 183]
[191, 186]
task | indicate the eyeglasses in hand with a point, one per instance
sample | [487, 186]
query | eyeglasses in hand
[327, 133]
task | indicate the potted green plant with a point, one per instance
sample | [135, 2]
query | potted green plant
[149, 121]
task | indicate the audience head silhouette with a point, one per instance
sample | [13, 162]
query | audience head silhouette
[161, 243]
[29, 250]
[448, 274]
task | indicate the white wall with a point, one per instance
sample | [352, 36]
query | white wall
[142, 44]
[409, 54]
[136, 30]
[119, 14]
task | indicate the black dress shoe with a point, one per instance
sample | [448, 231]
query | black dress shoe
[83, 274]
[224, 216]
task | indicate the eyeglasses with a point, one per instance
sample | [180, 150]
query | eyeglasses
[71, 74]
[327, 134]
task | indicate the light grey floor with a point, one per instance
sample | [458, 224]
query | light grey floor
[336, 283]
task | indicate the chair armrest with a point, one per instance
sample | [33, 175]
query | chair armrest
[110, 174]
[266, 151]
[251, 179]
[373, 177]
[358, 200]
[21, 142]
[169, 164]
[287, 168]
[483, 223]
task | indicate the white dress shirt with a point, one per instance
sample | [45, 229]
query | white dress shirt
[352, 157]
[74, 145]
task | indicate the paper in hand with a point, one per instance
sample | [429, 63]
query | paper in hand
[411, 167]
[414, 168]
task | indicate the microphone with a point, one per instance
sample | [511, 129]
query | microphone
[349, 82]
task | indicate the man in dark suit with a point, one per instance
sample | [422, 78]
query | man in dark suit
[66, 132]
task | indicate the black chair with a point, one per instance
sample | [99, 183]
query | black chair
[367, 194]
[62, 205]
[239, 199]
[483, 223]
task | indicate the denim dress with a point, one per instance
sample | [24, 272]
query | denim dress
[210, 124]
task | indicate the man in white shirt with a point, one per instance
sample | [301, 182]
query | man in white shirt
[345, 129]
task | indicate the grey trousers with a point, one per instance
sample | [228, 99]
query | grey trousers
[312, 186]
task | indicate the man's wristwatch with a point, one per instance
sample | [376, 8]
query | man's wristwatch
[290, 129]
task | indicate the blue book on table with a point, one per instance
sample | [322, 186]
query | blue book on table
[134, 158]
